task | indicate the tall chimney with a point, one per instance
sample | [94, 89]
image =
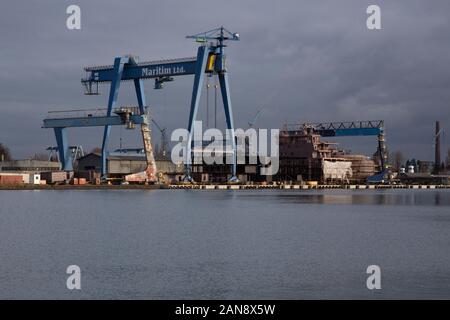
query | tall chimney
[437, 148]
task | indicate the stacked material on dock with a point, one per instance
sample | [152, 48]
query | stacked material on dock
[24, 176]
[10, 179]
[78, 181]
[54, 176]
[337, 170]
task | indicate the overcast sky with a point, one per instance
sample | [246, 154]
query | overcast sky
[297, 60]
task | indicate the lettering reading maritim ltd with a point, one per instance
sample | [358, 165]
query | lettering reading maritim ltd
[161, 71]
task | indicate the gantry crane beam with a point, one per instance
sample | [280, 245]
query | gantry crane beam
[348, 128]
[161, 70]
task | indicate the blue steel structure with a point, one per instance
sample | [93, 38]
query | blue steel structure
[350, 128]
[75, 152]
[60, 121]
[210, 59]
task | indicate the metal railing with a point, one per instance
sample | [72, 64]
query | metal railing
[79, 113]
[85, 113]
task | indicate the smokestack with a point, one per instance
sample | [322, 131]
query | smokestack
[437, 148]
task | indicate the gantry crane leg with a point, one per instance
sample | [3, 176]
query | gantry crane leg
[65, 154]
[119, 63]
[225, 90]
[202, 57]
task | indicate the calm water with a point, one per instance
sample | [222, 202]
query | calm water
[168, 244]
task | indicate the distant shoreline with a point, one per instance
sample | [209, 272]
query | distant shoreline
[215, 187]
[80, 187]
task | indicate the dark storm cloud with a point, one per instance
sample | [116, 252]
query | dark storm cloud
[297, 60]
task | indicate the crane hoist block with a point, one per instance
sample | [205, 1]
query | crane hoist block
[210, 63]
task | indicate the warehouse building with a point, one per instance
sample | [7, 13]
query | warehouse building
[28, 165]
[26, 171]
[121, 164]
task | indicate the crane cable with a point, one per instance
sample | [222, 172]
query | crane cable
[207, 101]
[215, 102]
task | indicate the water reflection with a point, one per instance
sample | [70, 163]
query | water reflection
[376, 197]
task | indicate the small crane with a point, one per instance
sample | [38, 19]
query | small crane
[220, 34]
[255, 118]
[163, 151]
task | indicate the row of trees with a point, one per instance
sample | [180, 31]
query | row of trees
[5, 154]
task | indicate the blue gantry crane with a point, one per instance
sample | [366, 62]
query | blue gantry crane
[210, 59]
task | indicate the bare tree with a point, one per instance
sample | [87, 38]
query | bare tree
[398, 159]
[5, 154]
[40, 156]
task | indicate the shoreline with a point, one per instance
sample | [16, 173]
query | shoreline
[80, 187]
[26, 187]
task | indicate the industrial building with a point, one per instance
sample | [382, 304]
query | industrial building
[417, 172]
[28, 165]
[205, 173]
[26, 171]
[121, 164]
